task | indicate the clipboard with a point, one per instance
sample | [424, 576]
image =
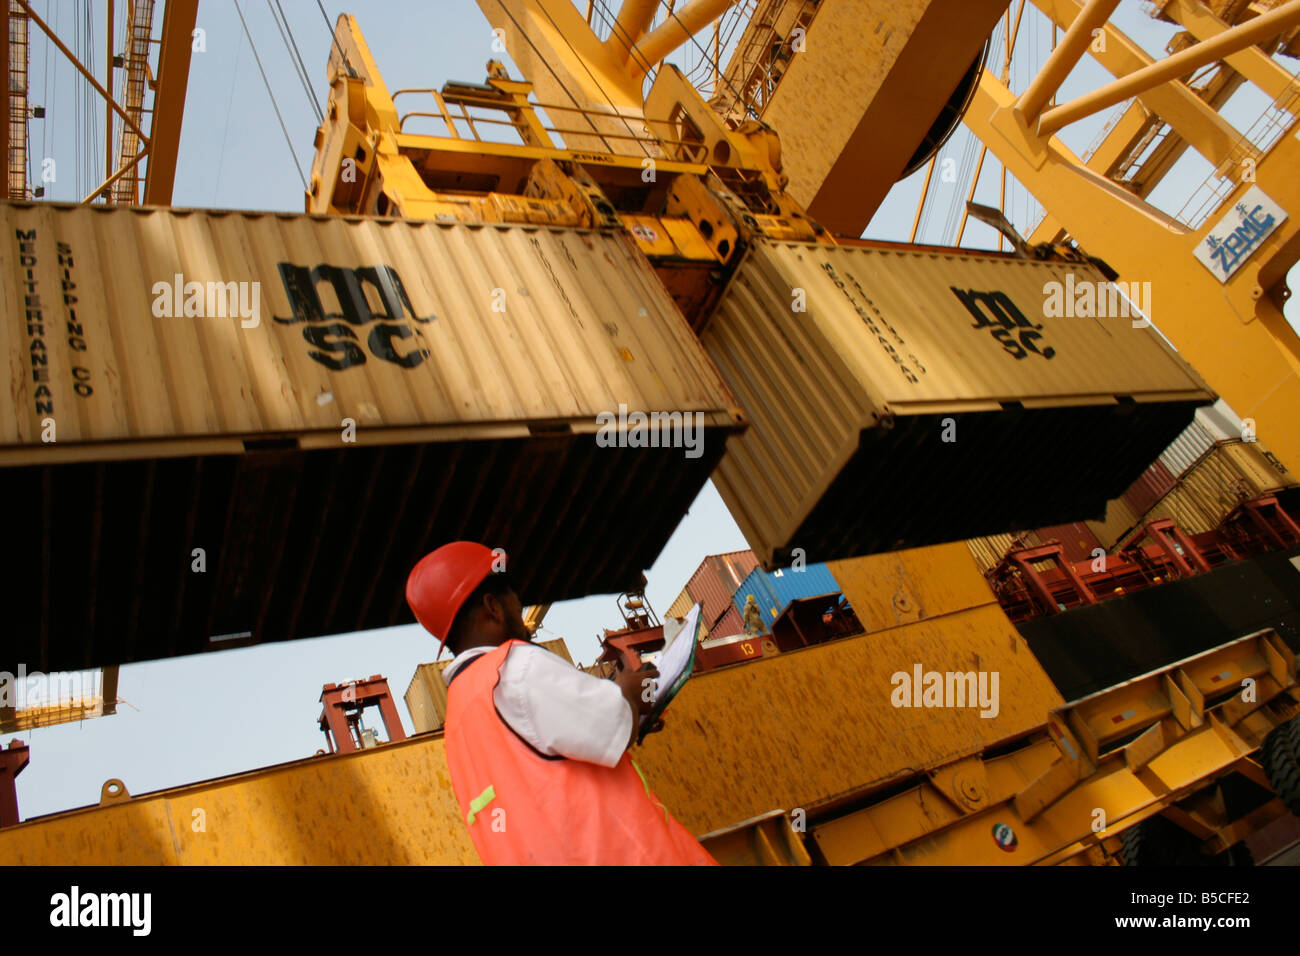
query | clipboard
[675, 667]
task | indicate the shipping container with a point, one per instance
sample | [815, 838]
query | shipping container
[728, 625]
[716, 580]
[1078, 541]
[1152, 485]
[1230, 473]
[426, 696]
[1119, 520]
[681, 605]
[989, 551]
[1220, 421]
[774, 590]
[902, 397]
[268, 418]
[1193, 444]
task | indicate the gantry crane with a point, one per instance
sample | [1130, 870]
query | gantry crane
[793, 165]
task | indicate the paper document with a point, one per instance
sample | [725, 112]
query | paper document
[675, 665]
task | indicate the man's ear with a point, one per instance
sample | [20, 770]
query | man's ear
[494, 608]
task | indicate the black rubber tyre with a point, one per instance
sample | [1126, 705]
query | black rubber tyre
[1280, 757]
[1159, 842]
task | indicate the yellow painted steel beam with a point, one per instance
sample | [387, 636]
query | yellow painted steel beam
[169, 101]
[1144, 245]
[1251, 62]
[1171, 67]
[853, 107]
[826, 730]
[634, 19]
[675, 31]
[1195, 120]
[1064, 58]
[556, 49]
[389, 805]
[1059, 795]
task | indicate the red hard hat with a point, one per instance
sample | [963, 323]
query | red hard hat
[441, 581]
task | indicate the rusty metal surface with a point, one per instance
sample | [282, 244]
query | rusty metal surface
[874, 381]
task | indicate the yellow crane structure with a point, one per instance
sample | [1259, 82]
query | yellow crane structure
[807, 756]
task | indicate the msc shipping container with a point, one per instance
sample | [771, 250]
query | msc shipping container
[774, 590]
[226, 427]
[901, 397]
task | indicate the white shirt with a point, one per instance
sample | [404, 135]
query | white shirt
[556, 707]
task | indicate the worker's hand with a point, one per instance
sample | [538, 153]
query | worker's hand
[638, 688]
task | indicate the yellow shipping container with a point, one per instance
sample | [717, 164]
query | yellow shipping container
[901, 397]
[267, 419]
[1231, 472]
[426, 696]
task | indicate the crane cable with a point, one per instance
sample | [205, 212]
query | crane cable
[274, 105]
[334, 39]
[291, 45]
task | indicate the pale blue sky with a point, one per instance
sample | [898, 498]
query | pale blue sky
[194, 718]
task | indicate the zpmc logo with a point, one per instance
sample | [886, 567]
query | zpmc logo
[369, 296]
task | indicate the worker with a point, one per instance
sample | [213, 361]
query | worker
[753, 617]
[537, 749]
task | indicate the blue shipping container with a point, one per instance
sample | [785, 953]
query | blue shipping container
[773, 592]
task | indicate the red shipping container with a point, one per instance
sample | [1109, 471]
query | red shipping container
[728, 625]
[1152, 485]
[1077, 540]
[717, 578]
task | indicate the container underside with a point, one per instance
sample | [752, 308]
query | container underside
[1007, 470]
[308, 543]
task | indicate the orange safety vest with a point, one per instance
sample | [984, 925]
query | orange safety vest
[523, 807]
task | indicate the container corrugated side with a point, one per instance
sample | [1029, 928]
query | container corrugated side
[728, 624]
[1228, 474]
[1188, 448]
[681, 604]
[1077, 539]
[1120, 519]
[991, 549]
[518, 325]
[205, 433]
[426, 697]
[773, 591]
[1152, 485]
[851, 361]
[716, 580]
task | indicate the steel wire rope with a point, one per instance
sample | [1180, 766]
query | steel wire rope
[274, 105]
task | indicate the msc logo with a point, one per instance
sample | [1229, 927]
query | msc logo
[369, 296]
[1017, 335]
